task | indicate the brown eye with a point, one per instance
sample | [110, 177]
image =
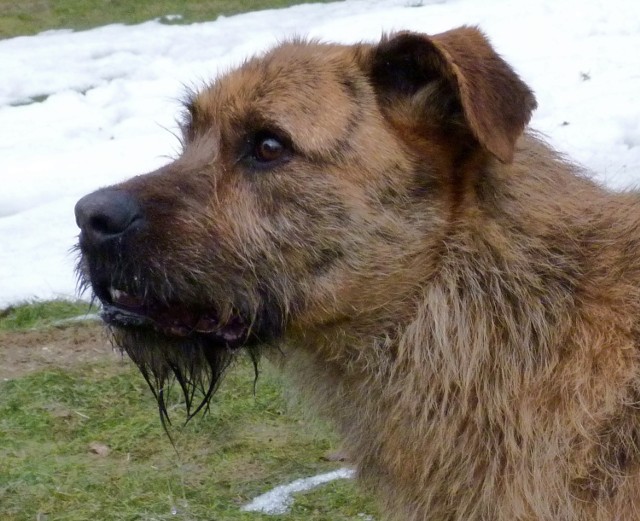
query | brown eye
[268, 149]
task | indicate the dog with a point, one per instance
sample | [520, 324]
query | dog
[461, 301]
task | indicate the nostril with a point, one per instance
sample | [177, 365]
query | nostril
[106, 214]
[106, 225]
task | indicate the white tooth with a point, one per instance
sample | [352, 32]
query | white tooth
[115, 293]
[230, 336]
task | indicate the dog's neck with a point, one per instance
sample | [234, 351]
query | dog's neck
[484, 358]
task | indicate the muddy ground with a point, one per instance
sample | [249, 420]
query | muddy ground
[23, 352]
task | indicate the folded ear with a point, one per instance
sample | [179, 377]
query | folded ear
[456, 71]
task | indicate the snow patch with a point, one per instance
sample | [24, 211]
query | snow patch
[82, 110]
[280, 499]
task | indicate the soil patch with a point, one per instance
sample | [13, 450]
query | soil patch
[23, 352]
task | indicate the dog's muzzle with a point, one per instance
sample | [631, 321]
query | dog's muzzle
[109, 219]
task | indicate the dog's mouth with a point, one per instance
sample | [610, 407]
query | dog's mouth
[126, 310]
[191, 344]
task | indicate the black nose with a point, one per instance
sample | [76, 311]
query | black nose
[106, 214]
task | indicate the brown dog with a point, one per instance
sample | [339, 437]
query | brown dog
[463, 303]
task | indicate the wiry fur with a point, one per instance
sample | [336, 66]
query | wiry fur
[459, 299]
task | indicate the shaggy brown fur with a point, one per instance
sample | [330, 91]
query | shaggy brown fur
[462, 302]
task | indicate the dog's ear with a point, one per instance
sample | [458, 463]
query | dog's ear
[455, 72]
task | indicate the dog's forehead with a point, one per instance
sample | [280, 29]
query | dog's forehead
[311, 91]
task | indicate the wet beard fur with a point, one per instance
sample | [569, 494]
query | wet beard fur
[193, 363]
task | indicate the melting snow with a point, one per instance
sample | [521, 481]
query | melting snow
[280, 499]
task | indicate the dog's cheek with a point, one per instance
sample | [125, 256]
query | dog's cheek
[292, 227]
[321, 243]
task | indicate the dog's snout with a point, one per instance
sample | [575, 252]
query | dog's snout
[106, 214]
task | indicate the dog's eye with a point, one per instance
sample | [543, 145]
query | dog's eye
[268, 149]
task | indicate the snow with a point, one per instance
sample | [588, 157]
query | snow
[80, 110]
[279, 499]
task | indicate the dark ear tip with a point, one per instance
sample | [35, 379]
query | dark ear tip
[401, 39]
[495, 102]
[399, 46]
[397, 62]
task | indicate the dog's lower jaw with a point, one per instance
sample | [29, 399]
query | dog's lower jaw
[195, 365]
[195, 360]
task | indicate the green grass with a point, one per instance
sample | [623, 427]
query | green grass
[243, 447]
[40, 314]
[26, 17]
[246, 444]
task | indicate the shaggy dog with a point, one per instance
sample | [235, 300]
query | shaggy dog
[459, 300]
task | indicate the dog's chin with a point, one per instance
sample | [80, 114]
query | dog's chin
[196, 363]
[173, 344]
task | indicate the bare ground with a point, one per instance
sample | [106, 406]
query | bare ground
[23, 352]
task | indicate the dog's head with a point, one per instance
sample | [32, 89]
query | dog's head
[316, 183]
